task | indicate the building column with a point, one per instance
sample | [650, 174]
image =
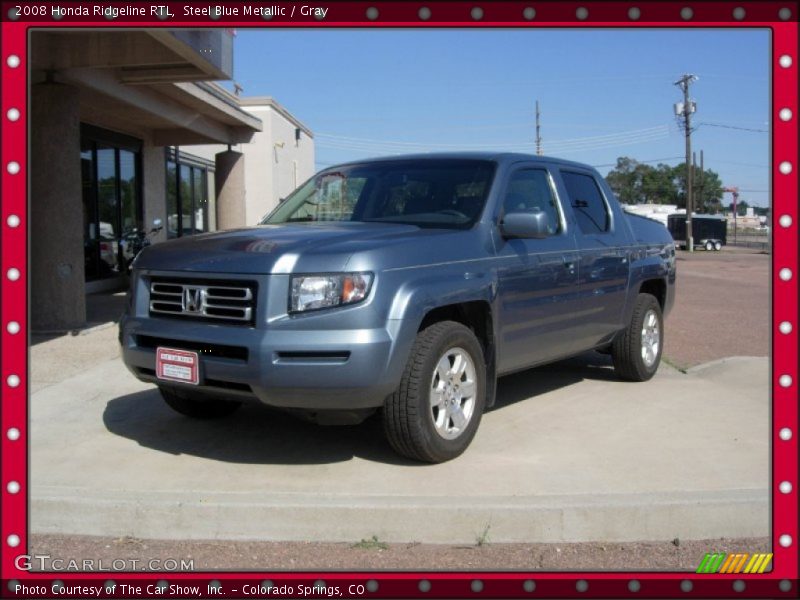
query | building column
[229, 186]
[56, 219]
[154, 189]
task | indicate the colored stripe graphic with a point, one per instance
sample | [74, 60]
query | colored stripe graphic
[753, 563]
[738, 560]
[740, 565]
[714, 566]
[720, 562]
[763, 566]
[731, 563]
[703, 563]
[728, 562]
[711, 562]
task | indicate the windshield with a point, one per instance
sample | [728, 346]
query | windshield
[427, 193]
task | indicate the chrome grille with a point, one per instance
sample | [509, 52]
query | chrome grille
[227, 301]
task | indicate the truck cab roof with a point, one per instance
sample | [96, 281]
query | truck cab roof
[498, 157]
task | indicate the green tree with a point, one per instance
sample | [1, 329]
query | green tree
[638, 183]
[707, 187]
[741, 207]
[658, 185]
[625, 180]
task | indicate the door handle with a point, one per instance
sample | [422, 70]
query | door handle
[569, 264]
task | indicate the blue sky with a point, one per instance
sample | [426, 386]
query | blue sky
[602, 93]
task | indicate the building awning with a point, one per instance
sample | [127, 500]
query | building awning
[148, 80]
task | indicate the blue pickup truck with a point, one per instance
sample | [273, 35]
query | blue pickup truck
[406, 285]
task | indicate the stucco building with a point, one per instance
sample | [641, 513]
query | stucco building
[114, 117]
[277, 159]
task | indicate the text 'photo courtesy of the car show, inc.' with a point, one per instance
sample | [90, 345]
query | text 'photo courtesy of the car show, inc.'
[399, 299]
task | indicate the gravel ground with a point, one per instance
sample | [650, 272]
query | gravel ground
[673, 555]
[722, 308]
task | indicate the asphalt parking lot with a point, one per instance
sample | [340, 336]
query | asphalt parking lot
[570, 454]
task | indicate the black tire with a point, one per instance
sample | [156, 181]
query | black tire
[627, 349]
[185, 404]
[408, 417]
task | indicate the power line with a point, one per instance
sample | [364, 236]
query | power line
[741, 164]
[651, 160]
[732, 127]
[488, 147]
[657, 129]
[557, 147]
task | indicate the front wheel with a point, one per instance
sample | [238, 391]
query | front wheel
[186, 404]
[709, 246]
[434, 413]
[636, 351]
[717, 246]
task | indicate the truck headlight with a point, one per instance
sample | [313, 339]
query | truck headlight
[313, 292]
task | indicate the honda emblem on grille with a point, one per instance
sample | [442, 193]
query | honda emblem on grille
[193, 299]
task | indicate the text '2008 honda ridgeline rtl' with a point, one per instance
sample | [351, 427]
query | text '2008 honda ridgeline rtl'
[405, 285]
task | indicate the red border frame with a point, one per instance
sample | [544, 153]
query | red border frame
[13, 92]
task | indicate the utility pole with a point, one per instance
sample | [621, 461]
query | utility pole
[698, 182]
[702, 177]
[686, 109]
[538, 136]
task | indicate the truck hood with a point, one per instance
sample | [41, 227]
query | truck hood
[277, 248]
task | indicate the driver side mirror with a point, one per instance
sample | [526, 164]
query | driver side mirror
[526, 225]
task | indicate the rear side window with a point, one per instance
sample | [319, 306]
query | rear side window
[529, 190]
[587, 202]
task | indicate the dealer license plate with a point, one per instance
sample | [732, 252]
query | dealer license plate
[177, 365]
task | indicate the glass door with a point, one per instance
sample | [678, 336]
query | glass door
[112, 206]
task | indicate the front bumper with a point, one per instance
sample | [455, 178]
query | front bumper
[318, 370]
[342, 359]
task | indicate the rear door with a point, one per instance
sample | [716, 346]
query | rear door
[537, 278]
[603, 244]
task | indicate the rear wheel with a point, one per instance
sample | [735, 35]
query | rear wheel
[196, 407]
[434, 413]
[717, 246]
[709, 246]
[636, 351]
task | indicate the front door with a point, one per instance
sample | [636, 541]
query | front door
[538, 278]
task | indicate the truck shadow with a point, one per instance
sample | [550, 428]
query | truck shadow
[540, 380]
[261, 435]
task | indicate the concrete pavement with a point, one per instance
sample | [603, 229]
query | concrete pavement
[569, 454]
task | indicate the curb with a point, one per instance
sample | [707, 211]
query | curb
[424, 519]
[720, 362]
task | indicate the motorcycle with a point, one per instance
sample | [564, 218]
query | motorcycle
[135, 241]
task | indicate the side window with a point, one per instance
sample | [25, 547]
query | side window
[587, 202]
[529, 190]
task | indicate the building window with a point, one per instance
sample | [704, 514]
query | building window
[187, 194]
[112, 200]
